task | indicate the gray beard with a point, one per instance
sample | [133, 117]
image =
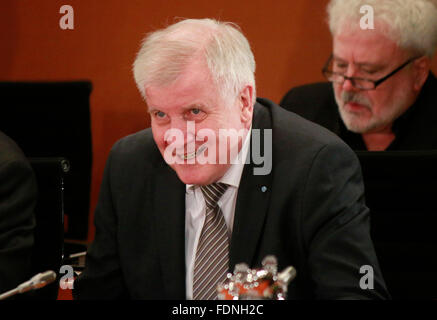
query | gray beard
[355, 123]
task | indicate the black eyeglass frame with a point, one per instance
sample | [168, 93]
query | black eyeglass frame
[376, 83]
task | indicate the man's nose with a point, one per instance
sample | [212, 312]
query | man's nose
[348, 84]
[185, 130]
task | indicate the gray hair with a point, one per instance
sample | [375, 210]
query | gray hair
[165, 53]
[412, 24]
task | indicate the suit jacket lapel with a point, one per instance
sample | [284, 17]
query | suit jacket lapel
[169, 211]
[252, 203]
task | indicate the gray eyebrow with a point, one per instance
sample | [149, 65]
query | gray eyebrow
[362, 64]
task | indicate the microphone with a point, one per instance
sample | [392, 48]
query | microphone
[36, 282]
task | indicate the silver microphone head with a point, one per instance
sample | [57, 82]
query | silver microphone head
[43, 279]
[38, 281]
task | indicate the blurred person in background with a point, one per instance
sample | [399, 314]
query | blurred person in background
[381, 94]
[18, 194]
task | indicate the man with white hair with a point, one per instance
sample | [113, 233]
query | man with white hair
[384, 96]
[176, 212]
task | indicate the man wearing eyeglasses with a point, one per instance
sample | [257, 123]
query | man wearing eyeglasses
[385, 96]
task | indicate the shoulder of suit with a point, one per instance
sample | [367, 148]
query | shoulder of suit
[11, 152]
[312, 90]
[294, 131]
[137, 144]
[312, 101]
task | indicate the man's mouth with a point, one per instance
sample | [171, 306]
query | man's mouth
[193, 154]
[354, 106]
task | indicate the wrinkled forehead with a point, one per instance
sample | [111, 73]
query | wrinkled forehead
[193, 86]
[366, 46]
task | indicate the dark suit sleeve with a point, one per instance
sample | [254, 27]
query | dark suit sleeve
[102, 277]
[336, 228]
[18, 193]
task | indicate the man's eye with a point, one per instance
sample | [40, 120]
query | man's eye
[340, 66]
[195, 114]
[160, 114]
[369, 71]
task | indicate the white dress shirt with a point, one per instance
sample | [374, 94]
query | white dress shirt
[195, 211]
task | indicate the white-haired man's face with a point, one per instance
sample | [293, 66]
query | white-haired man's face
[187, 117]
[371, 55]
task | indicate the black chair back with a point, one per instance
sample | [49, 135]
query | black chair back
[49, 214]
[401, 192]
[52, 119]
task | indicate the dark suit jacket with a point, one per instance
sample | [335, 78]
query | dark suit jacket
[313, 217]
[18, 194]
[414, 130]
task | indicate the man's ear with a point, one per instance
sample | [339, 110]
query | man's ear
[422, 66]
[246, 103]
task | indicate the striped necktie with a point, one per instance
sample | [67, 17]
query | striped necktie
[212, 255]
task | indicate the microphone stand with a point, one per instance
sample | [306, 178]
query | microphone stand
[36, 282]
